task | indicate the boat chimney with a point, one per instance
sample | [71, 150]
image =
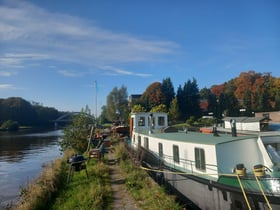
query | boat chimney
[233, 127]
[215, 131]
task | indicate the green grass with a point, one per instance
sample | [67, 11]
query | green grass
[82, 193]
[144, 190]
[51, 190]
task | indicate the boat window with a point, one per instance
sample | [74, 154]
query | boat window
[225, 195]
[141, 121]
[176, 154]
[146, 143]
[273, 151]
[161, 121]
[160, 149]
[139, 141]
[199, 159]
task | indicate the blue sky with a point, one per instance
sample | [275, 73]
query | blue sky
[52, 52]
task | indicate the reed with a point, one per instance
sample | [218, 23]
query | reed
[39, 193]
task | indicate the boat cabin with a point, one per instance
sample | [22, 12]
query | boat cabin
[203, 166]
[146, 120]
[193, 151]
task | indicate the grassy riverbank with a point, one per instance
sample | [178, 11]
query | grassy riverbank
[142, 187]
[51, 190]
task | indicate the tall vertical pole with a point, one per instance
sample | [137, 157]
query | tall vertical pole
[95, 99]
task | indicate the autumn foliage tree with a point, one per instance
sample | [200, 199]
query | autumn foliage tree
[252, 91]
[153, 96]
[241, 96]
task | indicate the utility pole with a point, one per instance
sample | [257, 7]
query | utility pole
[95, 86]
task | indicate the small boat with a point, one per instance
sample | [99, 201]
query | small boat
[212, 170]
[120, 128]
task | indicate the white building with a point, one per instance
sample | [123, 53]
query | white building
[247, 123]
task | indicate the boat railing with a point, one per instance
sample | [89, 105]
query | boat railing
[188, 166]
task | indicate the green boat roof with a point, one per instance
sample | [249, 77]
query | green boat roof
[197, 137]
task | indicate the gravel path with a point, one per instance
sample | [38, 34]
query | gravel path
[121, 197]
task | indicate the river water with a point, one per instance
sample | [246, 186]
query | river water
[22, 156]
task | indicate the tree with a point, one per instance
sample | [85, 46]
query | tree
[26, 113]
[138, 108]
[76, 134]
[153, 95]
[159, 108]
[174, 111]
[277, 101]
[213, 105]
[189, 100]
[195, 100]
[45, 115]
[117, 104]
[103, 116]
[181, 101]
[18, 109]
[247, 103]
[231, 104]
[168, 92]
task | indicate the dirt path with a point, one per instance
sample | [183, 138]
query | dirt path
[121, 197]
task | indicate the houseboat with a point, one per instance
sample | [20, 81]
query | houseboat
[213, 170]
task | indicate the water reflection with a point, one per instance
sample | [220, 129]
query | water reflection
[22, 156]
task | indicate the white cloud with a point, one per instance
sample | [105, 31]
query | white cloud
[69, 73]
[6, 73]
[7, 86]
[33, 34]
[19, 60]
[118, 71]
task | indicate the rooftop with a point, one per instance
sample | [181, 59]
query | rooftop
[199, 138]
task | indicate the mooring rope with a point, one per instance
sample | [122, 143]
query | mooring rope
[243, 191]
[261, 189]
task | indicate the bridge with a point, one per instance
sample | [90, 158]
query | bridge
[67, 118]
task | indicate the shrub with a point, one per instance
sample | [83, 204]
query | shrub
[10, 125]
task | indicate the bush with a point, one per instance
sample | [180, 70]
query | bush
[10, 125]
[76, 134]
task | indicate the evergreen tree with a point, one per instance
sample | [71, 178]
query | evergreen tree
[247, 103]
[181, 103]
[213, 105]
[189, 100]
[168, 92]
[231, 103]
[277, 101]
[195, 100]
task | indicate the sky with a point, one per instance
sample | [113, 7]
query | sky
[70, 54]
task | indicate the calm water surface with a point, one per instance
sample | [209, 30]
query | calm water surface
[22, 155]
